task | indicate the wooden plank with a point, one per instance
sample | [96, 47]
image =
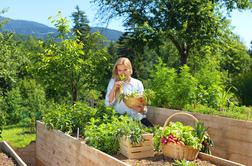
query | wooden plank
[4, 146]
[141, 155]
[98, 157]
[218, 160]
[147, 136]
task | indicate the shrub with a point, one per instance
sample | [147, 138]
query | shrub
[2, 122]
[25, 103]
[176, 89]
[169, 86]
[68, 118]
[244, 86]
[14, 106]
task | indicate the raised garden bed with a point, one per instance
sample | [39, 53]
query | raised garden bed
[57, 148]
[232, 138]
[8, 156]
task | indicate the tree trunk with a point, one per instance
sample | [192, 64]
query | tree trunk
[183, 55]
[182, 48]
[74, 92]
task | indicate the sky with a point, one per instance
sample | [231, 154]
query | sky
[40, 10]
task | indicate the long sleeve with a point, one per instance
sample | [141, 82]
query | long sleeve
[109, 88]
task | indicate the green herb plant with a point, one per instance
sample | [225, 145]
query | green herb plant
[184, 163]
[122, 77]
[203, 137]
[148, 95]
[105, 136]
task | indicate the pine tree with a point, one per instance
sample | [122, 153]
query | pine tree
[81, 27]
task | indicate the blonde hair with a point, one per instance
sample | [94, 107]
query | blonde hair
[121, 61]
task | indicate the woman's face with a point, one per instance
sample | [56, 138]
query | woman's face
[122, 69]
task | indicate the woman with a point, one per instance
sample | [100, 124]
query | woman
[122, 82]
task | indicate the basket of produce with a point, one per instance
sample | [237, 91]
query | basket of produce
[134, 100]
[179, 141]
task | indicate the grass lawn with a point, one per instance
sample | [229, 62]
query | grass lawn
[17, 136]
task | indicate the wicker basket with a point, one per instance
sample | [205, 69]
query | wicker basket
[178, 151]
[134, 101]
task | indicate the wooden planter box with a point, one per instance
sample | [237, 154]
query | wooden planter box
[56, 148]
[4, 147]
[138, 151]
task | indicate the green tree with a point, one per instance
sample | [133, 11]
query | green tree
[62, 25]
[81, 27]
[65, 68]
[235, 59]
[250, 49]
[3, 21]
[2, 114]
[188, 24]
[12, 61]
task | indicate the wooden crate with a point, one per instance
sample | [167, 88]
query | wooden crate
[141, 150]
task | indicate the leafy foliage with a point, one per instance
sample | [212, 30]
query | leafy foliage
[180, 134]
[236, 59]
[244, 87]
[169, 86]
[234, 112]
[187, 24]
[65, 68]
[11, 61]
[100, 126]
[25, 103]
[206, 86]
[2, 120]
[81, 27]
[185, 134]
[69, 65]
[105, 136]
[184, 163]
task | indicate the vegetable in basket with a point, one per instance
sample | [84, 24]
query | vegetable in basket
[179, 141]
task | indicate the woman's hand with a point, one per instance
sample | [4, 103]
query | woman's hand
[113, 93]
[117, 85]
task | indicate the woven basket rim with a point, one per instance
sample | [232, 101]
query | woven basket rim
[176, 114]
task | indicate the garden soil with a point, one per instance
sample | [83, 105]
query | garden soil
[5, 160]
[157, 160]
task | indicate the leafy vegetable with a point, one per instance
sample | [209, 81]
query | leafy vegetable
[184, 163]
[178, 133]
[145, 97]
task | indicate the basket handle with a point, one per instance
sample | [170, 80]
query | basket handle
[178, 113]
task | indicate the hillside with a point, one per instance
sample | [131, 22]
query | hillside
[41, 31]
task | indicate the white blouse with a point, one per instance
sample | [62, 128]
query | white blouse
[133, 86]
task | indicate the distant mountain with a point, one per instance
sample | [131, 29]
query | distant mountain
[41, 31]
